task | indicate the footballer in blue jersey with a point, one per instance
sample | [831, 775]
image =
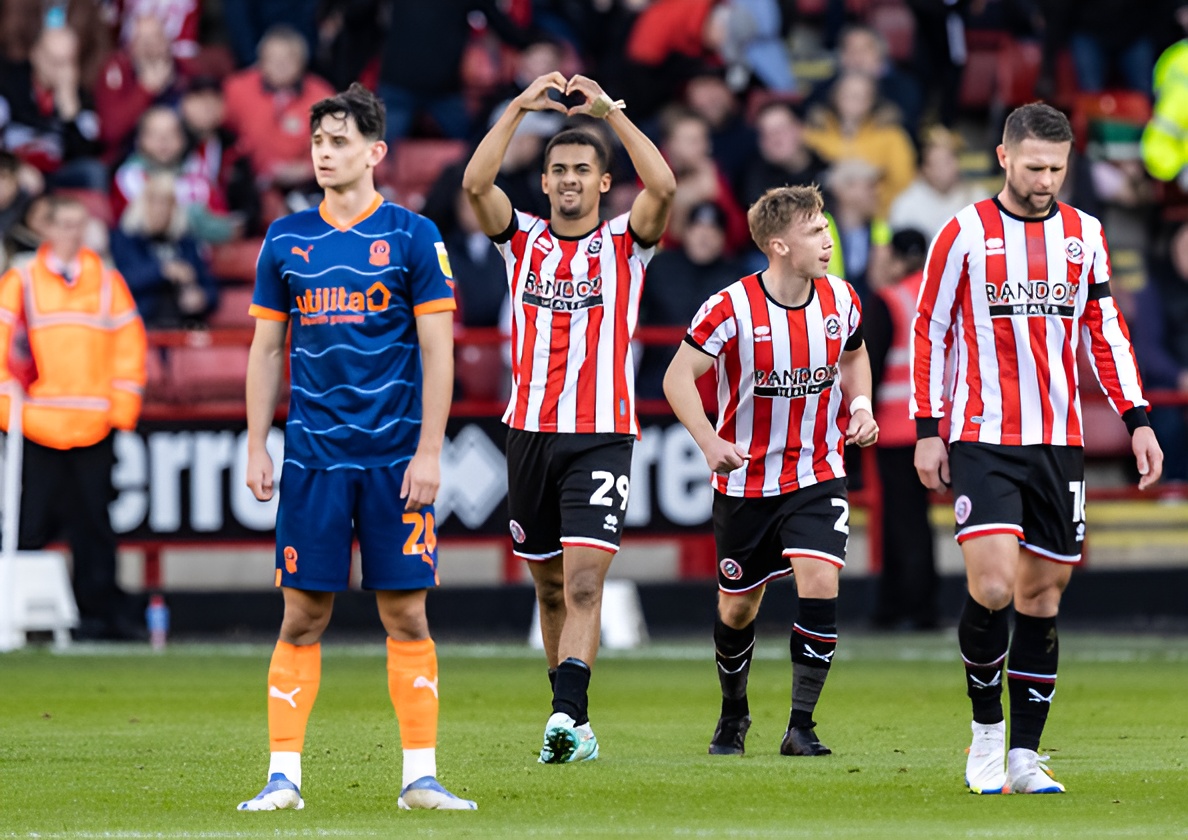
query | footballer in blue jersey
[361, 289]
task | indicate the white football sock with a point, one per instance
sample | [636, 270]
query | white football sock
[288, 763]
[417, 764]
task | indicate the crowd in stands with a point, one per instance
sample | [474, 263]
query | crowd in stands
[183, 127]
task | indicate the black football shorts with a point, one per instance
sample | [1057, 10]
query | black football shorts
[566, 489]
[1036, 493]
[757, 537]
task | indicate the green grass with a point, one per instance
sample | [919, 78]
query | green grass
[116, 743]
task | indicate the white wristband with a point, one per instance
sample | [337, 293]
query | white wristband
[603, 105]
[859, 403]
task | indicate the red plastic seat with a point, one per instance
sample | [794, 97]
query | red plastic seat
[233, 308]
[897, 25]
[197, 374]
[481, 372]
[417, 165]
[236, 260]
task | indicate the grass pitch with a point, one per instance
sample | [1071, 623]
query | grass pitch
[116, 742]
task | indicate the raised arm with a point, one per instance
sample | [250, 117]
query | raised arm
[490, 203]
[649, 213]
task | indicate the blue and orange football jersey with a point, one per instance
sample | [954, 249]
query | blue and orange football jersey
[351, 293]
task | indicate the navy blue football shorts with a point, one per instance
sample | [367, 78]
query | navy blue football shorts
[321, 513]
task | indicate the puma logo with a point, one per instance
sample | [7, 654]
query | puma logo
[824, 657]
[1036, 697]
[273, 691]
[303, 254]
[424, 682]
[991, 684]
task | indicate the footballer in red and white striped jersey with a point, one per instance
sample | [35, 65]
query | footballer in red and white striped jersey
[779, 381]
[1012, 297]
[575, 305]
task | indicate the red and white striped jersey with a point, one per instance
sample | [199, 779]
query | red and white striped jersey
[779, 381]
[575, 304]
[1007, 294]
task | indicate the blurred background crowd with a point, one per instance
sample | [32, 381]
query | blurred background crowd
[182, 126]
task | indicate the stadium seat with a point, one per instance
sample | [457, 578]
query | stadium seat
[1018, 71]
[156, 387]
[897, 25]
[233, 308]
[480, 372]
[197, 374]
[981, 68]
[1109, 111]
[96, 202]
[417, 165]
[233, 261]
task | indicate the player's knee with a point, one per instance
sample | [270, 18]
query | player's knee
[583, 590]
[551, 594]
[992, 591]
[737, 612]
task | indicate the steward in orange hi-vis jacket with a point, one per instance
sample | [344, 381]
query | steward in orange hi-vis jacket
[84, 375]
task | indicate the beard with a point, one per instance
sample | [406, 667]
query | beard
[574, 211]
[1029, 200]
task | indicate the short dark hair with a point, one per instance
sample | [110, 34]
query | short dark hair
[356, 102]
[9, 162]
[578, 137]
[1039, 121]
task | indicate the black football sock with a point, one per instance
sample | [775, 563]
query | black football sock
[983, 635]
[570, 690]
[553, 679]
[813, 642]
[733, 649]
[1031, 678]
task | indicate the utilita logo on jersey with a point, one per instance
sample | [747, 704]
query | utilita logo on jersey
[800, 382]
[339, 305]
[562, 295]
[1035, 297]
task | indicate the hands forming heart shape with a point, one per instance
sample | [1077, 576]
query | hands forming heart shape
[579, 95]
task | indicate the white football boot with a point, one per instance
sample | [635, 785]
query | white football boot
[278, 795]
[985, 767]
[1027, 773]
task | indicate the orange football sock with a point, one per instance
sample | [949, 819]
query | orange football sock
[412, 684]
[293, 678]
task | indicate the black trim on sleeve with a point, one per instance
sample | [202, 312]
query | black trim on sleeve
[927, 427]
[639, 239]
[1097, 291]
[1135, 418]
[855, 340]
[689, 340]
[508, 232]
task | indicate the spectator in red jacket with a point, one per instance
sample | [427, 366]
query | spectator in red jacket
[268, 108]
[134, 78]
[686, 147]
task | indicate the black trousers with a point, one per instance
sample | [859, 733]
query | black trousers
[908, 585]
[67, 491]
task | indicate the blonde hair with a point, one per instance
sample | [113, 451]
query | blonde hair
[778, 208]
[134, 220]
